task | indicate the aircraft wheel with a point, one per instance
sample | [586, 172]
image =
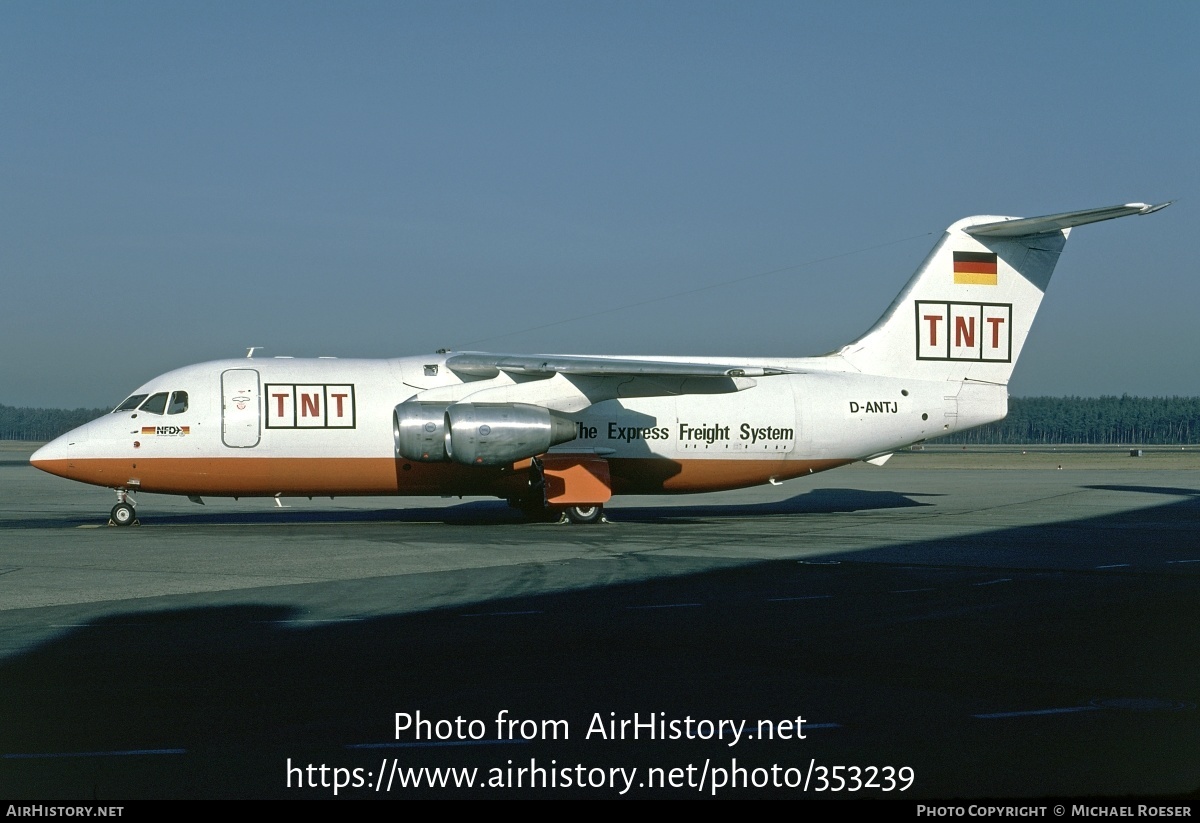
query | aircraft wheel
[585, 514]
[122, 514]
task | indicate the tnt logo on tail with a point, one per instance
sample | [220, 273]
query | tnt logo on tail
[964, 331]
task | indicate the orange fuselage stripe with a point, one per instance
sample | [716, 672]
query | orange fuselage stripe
[340, 476]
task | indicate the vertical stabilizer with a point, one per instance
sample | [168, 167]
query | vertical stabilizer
[967, 311]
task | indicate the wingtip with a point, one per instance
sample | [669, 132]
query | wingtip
[1150, 209]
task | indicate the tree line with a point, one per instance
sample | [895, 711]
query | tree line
[1051, 420]
[42, 424]
[1151, 421]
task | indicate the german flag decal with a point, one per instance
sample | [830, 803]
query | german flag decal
[975, 268]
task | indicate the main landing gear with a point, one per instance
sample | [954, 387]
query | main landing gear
[539, 512]
[585, 514]
[533, 503]
[124, 513]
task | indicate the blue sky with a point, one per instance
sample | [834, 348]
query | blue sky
[179, 181]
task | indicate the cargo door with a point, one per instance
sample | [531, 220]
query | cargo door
[240, 423]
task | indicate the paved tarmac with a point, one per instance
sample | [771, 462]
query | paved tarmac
[986, 633]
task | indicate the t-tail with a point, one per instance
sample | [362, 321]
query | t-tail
[965, 314]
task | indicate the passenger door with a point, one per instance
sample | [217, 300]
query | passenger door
[240, 424]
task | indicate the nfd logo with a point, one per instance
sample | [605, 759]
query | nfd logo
[964, 331]
[298, 406]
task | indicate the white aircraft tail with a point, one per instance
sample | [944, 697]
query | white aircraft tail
[966, 313]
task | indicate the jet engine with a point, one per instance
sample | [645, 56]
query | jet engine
[477, 434]
[420, 430]
[482, 434]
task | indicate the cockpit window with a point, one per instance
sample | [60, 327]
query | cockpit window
[157, 403]
[178, 403]
[131, 402]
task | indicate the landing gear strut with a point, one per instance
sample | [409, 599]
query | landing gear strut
[123, 514]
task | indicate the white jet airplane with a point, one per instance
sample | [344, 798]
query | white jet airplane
[561, 434]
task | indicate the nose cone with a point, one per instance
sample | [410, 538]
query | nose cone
[55, 455]
[60, 455]
[86, 454]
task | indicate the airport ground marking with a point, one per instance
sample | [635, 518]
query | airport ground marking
[1036, 712]
[501, 614]
[425, 744]
[121, 753]
[667, 606]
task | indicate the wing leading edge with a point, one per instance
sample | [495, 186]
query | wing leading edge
[485, 365]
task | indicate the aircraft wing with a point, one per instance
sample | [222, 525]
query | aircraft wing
[484, 364]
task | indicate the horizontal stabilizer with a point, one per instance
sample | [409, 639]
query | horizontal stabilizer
[1023, 226]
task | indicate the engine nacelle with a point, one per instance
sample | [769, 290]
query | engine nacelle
[486, 434]
[420, 430]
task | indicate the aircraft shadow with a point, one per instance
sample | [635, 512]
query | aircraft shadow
[496, 512]
[816, 501]
[1149, 490]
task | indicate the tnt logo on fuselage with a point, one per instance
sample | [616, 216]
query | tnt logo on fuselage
[298, 406]
[964, 331]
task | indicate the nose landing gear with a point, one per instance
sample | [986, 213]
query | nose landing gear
[124, 513]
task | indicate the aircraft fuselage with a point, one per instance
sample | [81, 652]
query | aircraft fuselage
[325, 427]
